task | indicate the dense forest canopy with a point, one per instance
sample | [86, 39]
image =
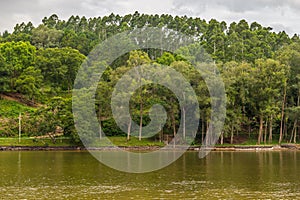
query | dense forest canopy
[260, 69]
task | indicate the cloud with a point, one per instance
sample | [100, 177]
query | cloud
[238, 6]
[278, 13]
[17, 11]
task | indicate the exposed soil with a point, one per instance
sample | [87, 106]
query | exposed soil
[19, 98]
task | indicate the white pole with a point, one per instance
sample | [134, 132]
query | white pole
[20, 130]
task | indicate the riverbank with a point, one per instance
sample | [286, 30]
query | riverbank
[153, 148]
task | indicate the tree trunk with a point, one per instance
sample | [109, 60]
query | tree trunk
[167, 137]
[222, 138]
[282, 114]
[296, 121]
[214, 48]
[249, 130]
[183, 121]
[100, 131]
[231, 137]
[285, 127]
[141, 121]
[266, 130]
[100, 124]
[160, 136]
[261, 124]
[271, 130]
[203, 131]
[20, 126]
[294, 132]
[69, 89]
[128, 130]
[207, 133]
[174, 126]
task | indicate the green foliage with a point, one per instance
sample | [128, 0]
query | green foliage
[29, 82]
[56, 114]
[9, 112]
[44, 37]
[14, 58]
[260, 69]
[59, 66]
[11, 109]
[166, 59]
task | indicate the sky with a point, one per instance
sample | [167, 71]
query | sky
[278, 14]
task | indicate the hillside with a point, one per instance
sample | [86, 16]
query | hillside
[259, 67]
[10, 108]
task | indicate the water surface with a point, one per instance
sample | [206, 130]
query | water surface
[220, 175]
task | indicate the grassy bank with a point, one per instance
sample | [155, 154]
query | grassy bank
[64, 141]
[122, 141]
[35, 142]
[117, 141]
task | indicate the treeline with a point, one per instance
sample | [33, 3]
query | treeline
[237, 41]
[259, 67]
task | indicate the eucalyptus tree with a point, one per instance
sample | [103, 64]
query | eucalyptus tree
[103, 97]
[267, 88]
[213, 39]
[290, 56]
[236, 78]
[138, 58]
[115, 75]
[194, 78]
[51, 22]
[44, 37]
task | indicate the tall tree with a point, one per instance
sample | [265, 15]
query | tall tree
[138, 58]
[270, 78]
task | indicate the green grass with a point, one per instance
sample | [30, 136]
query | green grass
[122, 141]
[25, 141]
[9, 109]
[118, 141]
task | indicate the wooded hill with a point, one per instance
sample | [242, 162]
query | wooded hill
[260, 69]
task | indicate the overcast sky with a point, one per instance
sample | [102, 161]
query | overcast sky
[279, 14]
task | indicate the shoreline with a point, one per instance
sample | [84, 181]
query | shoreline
[282, 147]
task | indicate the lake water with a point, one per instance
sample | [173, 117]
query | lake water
[220, 175]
